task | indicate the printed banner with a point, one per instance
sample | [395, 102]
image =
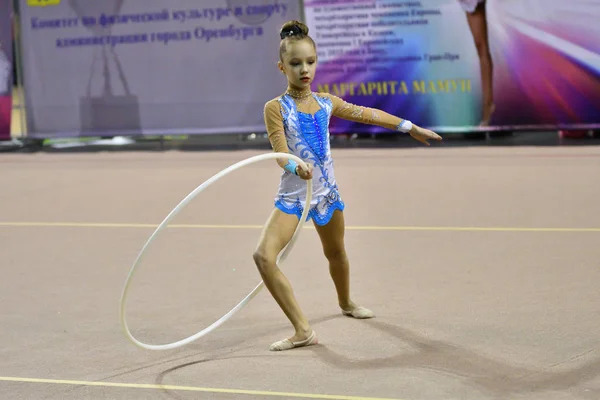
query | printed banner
[462, 65]
[138, 67]
[6, 79]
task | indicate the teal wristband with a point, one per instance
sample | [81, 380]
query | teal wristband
[291, 167]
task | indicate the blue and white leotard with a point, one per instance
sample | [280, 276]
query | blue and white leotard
[307, 137]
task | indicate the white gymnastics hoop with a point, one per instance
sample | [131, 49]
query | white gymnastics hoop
[282, 256]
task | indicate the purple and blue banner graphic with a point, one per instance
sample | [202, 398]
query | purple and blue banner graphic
[6, 79]
[462, 65]
[150, 67]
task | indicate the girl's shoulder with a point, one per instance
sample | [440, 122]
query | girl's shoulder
[328, 96]
[323, 95]
[273, 105]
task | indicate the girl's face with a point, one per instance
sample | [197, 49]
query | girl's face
[299, 64]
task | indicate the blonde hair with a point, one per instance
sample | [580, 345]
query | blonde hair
[293, 31]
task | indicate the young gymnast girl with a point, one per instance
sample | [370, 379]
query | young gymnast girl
[477, 20]
[297, 123]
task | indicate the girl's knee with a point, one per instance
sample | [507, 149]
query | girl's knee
[264, 261]
[335, 254]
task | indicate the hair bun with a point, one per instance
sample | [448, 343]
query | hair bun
[293, 28]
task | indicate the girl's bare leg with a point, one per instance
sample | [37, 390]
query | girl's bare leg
[332, 238]
[277, 233]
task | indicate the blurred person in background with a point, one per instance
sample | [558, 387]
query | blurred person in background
[5, 92]
[477, 19]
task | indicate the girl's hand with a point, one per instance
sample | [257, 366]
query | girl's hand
[423, 135]
[305, 174]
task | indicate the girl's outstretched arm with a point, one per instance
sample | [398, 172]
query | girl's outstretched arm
[372, 116]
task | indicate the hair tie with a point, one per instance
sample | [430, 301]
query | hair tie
[291, 31]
